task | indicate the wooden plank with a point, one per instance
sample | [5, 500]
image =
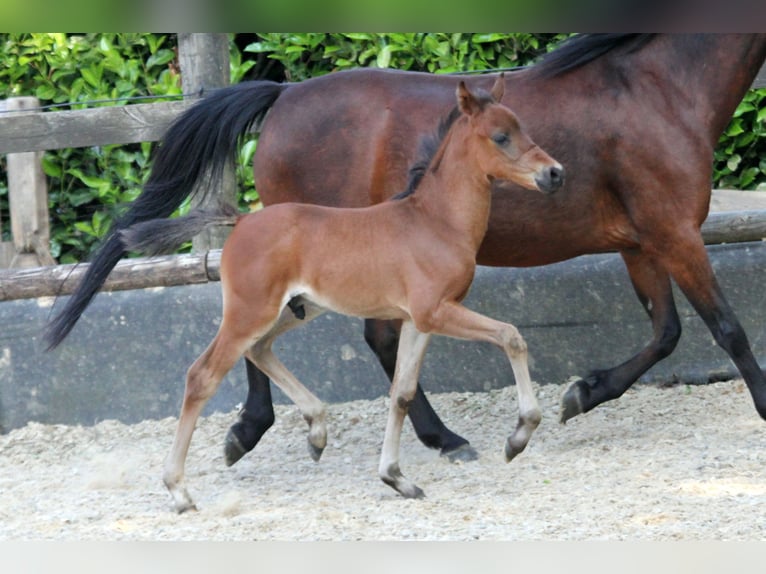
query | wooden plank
[734, 227]
[83, 128]
[139, 273]
[108, 125]
[28, 200]
[172, 270]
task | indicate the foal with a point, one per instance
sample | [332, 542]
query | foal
[412, 259]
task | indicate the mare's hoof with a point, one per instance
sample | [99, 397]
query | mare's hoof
[571, 401]
[232, 448]
[464, 453]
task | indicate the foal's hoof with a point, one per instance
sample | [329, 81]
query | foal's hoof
[414, 492]
[571, 401]
[393, 477]
[186, 507]
[511, 450]
[464, 453]
[232, 448]
[315, 452]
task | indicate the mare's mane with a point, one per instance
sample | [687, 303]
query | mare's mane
[584, 48]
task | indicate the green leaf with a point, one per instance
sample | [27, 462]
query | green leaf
[160, 58]
[92, 75]
[51, 168]
[45, 92]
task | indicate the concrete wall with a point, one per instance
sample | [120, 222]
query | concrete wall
[127, 357]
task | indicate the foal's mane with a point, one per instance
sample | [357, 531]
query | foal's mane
[430, 144]
[584, 48]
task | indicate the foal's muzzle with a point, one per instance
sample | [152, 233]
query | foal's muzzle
[550, 179]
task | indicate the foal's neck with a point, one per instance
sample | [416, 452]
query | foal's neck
[455, 191]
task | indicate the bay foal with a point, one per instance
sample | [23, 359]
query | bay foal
[412, 259]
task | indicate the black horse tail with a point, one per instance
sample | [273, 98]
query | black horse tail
[191, 157]
[160, 236]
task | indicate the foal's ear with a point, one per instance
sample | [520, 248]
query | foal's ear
[499, 88]
[466, 101]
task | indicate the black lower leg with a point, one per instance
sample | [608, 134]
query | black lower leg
[255, 418]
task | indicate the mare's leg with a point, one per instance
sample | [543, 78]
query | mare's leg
[383, 338]
[412, 347]
[255, 418]
[202, 380]
[454, 320]
[652, 285]
[690, 267]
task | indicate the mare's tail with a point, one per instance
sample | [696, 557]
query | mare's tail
[193, 154]
[159, 236]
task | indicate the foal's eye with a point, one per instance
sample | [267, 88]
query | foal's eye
[501, 139]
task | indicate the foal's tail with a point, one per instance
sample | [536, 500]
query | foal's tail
[193, 154]
[159, 236]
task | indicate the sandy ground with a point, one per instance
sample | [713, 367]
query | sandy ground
[680, 463]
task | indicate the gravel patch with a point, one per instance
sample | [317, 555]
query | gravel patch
[678, 463]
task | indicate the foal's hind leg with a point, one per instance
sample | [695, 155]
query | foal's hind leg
[313, 410]
[202, 381]
[652, 285]
[383, 338]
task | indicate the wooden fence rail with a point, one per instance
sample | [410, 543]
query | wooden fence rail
[174, 270]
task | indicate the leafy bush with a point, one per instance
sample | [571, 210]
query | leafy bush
[88, 186]
[740, 158]
[307, 55]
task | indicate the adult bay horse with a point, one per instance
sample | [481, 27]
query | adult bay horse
[633, 117]
[410, 260]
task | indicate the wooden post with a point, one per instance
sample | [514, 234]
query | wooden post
[28, 199]
[204, 62]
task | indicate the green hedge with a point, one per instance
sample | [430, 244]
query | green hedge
[88, 186]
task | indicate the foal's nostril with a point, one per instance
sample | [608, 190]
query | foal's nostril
[551, 179]
[556, 176]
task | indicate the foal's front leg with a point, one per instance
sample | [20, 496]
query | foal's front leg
[412, 347]
[454, 320]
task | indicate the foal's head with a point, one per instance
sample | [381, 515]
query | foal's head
[503, 149]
